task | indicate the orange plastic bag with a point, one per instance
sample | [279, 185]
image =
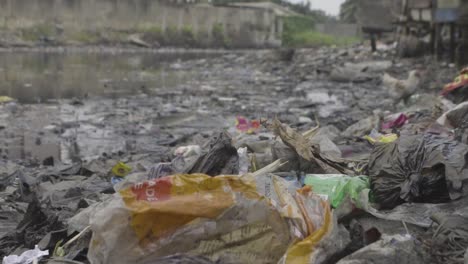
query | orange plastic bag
[248, 219]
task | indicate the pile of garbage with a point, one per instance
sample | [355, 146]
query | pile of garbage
[264, 192]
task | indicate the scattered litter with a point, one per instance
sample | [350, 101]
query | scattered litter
[401, 249]
[245, 125]
[244, 161]
[6, 99]
[160, 170]
[376, 137]
[395, 123]
[27, 257]
[450, 236]
[121, 169]
[163, 175]
[457, 90]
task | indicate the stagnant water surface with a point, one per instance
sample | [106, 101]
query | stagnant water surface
[42, 79]
[35, 77]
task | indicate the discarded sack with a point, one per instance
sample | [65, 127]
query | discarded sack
[336, 188]
[226, 219]
[420, 168]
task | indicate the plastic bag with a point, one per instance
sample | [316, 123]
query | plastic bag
[335, 187]
[244, 125]
[160, 170]
[186, 157]
[397, 122]
[308, 150]
[401, 249]
[376, 137]
[456, 117]
[421, 168]
[27, 257]
[244, 161]
[221, 157]
[250, 219]
[418, 214]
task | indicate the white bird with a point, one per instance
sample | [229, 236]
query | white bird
[402, 89]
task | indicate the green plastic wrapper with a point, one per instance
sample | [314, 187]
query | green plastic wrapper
[336, 187]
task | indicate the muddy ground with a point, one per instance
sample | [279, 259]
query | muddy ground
[83, 105]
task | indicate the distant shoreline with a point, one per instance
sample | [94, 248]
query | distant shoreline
[116, 49]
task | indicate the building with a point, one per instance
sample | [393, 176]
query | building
[376, 17]
[438, 19]
[170, 22]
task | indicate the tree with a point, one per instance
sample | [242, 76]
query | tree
[348, 11]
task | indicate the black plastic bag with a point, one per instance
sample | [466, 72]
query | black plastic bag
[220, 159]
[420, 168]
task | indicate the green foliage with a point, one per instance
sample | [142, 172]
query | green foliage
[188, 36]
[294, 26]
[172, 36]
[37, 32]
[316, 39]
[300, 31]
[219, 36]
[85, 37]
[152, 34]
[348, 11]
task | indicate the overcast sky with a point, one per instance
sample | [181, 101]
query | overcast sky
[332, 7]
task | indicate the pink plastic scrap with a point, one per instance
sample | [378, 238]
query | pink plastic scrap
[245, 125]
[396, 123]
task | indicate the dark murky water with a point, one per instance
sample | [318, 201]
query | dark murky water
[35, 78]
[32, 77]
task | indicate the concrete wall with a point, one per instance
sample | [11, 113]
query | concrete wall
[339, 29]
[244, 27]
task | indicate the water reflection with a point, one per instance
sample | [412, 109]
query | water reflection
[33, 77]
[62, 131]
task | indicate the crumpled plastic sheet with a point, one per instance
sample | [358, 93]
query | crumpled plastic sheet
[450, 238]
[310, 150]
[243, 161]
[402, 249]
[27, 257]
[415, 213]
